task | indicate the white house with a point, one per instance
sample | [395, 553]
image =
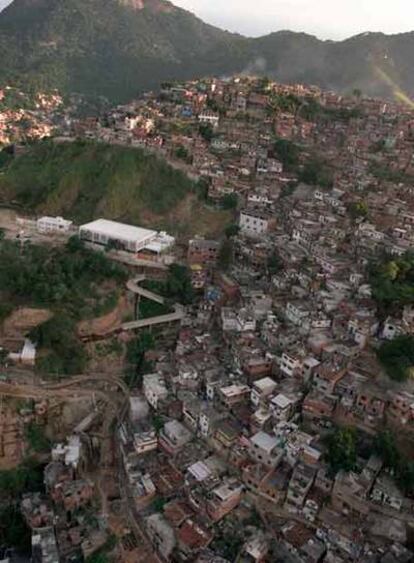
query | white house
[209, 117]
[245, 321]
[253, 223]
[264, 448]
[274, 166]
[210, 418]
[229, 319]
[289, 364]
[27, 355]
[261, 389]
[53, 225]
[257, 199]
[262, 166]
[155, 389]
[298, 314]
[363, 326]
[281, 407]
[161, 244]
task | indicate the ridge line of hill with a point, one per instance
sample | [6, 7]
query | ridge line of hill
[117, 49]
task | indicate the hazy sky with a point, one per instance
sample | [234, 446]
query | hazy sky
[330, 19]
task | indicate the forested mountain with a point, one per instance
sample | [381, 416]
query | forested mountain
[117, 48]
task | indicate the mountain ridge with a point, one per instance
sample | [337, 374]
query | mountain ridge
[119, 48]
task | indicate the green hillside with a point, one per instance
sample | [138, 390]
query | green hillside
[85, 180]
[108, 48]
[82, 180]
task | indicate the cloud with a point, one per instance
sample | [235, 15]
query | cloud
[4, 3]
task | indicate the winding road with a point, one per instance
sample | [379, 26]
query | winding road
[134, 287]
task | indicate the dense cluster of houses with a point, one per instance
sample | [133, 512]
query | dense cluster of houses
[225, 449]
[281, 349]
[61, 519]
[24, 117]
[227, 429]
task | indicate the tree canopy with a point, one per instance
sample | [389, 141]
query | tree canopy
[67, 280]
[358, 209]
[58, 278]
[274, 263]
[206, 131]
[288, 153]
[392, 282]
[14, 532]
[402, 467]
[230, 201]
[285, 103]
[62, 351]
[26, 478]
[342, 450]
[397, 357]
[226, 254]
[178, 286]
[317, 173]
[232, 230]
[137, 365]
[37, 439]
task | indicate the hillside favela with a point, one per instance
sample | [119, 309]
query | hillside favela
[206, 290]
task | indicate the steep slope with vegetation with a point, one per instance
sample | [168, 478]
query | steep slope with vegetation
[73, 282]
[112, 48]
[116, 48]
[84, 179]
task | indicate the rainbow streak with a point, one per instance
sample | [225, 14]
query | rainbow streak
[396, 90]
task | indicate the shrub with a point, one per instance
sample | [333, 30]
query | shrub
[342, 452]
[397, 356]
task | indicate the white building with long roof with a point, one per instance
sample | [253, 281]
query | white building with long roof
[124, 237]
